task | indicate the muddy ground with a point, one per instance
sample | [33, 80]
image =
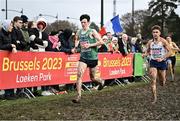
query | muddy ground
[132, 102]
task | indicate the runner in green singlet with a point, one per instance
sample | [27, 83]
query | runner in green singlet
[89, 41]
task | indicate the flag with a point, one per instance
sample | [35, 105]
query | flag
[112, 26]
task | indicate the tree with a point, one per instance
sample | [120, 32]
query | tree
[61, 25]
[139, 17]
[161, 10]
[173, 22]
[94, 26]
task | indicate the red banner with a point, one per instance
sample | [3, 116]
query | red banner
[28, 69]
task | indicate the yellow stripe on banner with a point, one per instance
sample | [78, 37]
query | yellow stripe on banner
[71, 64]
[73, 77]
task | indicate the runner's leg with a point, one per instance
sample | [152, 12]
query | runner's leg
[93, 72]
[81, 69]
[153, 74]
[162, 78]
[173, 65]
[170, 68]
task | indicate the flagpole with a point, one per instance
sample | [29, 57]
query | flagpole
[102, 12]
[6, 10]
[133, 17]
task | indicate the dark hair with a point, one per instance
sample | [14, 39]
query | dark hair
[156, 27]
[85, 16]
[16, 18]
[52, 33]
[24, 18]
[67, 33]
[30, 24]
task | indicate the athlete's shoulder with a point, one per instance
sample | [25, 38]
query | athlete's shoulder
[150, 41]
[93, 30]
[173, 43]
[164, 41]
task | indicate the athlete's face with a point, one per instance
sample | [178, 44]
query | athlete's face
[168, 39]
[156, 33]
[84, 24]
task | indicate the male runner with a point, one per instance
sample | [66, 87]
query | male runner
[172, 59]
[89, 39]
[158, 50]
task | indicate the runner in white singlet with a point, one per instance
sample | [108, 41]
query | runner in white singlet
[158, 49]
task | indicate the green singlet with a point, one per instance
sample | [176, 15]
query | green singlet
[85, 38]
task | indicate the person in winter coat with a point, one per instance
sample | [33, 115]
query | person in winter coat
[68, 43]
[6, 43]
[17, 35]
[38, 38]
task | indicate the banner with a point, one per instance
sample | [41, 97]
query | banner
[138, 65]
[29, 69]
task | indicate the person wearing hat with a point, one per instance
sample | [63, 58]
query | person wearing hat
[115, 45]
[7, 44]
[25, 32]
[38, 37]
[39, 42]
[104, 47]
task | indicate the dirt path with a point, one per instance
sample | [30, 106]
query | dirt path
[132, 103]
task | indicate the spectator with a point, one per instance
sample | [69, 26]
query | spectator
[53, 46]
[124, 45]
[17, 35]
[133, 44]
[138, 44]
[104, 48]
[68, 44]
[38, 42]
[53, 42]
[31, 25]
[125, 48]
[25, 32]
[38, 38]
[109, 35]
[115, 45]
[6, 43]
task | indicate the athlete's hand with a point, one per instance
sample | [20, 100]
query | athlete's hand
[73, 50]
[143, 55]
[86, 46]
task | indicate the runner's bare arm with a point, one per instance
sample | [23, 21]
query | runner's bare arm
[175, 47]
[148, 49]
[99, 39]
[167, 46]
